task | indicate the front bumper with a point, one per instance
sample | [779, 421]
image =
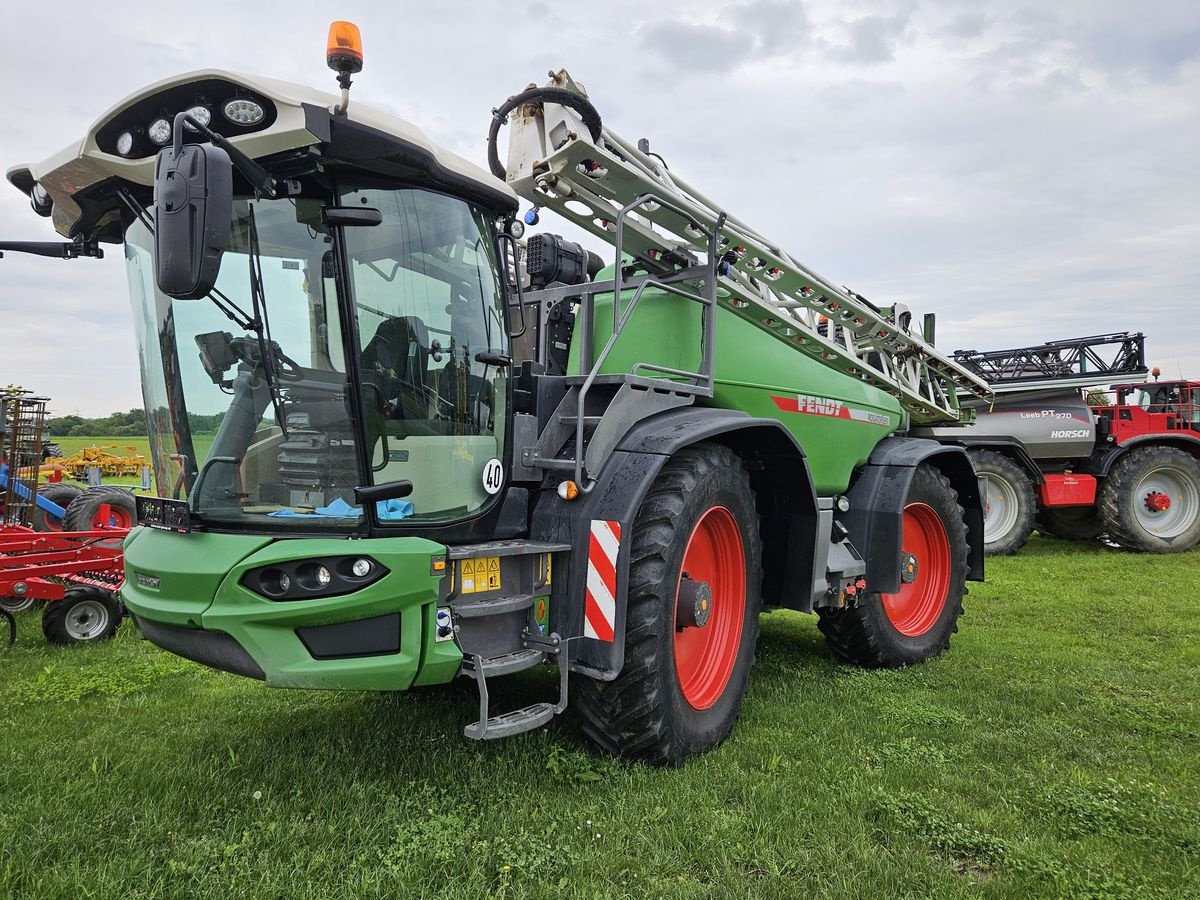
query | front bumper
[186, 595]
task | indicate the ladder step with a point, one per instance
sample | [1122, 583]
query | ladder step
[588, 421]
[497, 606]
[517, 661]
[510, 723]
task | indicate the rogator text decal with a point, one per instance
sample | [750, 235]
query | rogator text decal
[808, 405]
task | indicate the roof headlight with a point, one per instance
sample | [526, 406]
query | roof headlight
[241, 111]
[201, 114]
[125, 143]
[159, 131]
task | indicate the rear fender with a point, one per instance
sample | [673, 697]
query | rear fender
[877, 498]
[778, 471]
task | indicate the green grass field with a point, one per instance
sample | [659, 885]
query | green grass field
[1053, 752]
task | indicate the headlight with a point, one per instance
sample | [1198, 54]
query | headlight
[241, 111]
[159, 131]
[312, 579]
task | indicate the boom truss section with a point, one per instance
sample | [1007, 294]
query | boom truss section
[625, 195]
[1076, 362]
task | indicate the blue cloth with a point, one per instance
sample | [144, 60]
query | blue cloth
[391, 510]
[387, 510]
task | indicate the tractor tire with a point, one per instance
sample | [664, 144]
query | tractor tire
[85, 615]
[62, 494]
[1071, 523]
[84, 513]
[1009, 504]
[1150, 501]
[915, 623]
[681, 686]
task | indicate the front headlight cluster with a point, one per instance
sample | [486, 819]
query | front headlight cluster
[310, 579]
[241, 111]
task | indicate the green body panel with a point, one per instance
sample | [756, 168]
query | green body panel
[750, 369]
[266, 629]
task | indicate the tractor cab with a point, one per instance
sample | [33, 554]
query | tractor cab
[318, 302]
[1157, 407]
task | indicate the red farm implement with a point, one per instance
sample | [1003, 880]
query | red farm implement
[67, 557]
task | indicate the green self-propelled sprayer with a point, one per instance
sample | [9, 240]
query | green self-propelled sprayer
[447, 449]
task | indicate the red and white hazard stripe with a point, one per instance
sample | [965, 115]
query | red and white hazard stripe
[600, 605]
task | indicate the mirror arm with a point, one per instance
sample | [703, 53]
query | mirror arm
[260, 179]
[56, 249]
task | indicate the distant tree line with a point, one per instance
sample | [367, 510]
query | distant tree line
[121, 424]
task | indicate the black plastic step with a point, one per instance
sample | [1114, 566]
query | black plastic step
[510, 723]
[497, 606]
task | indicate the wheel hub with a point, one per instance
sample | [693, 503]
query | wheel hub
[909, 568]
[694, 603]
[1157, 502]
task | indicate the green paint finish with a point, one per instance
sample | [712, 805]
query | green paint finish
[750, 368]
[189, 569]
[267, 628]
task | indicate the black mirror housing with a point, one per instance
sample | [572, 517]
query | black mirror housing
[193, 212]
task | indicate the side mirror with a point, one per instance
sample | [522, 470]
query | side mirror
[193, 212]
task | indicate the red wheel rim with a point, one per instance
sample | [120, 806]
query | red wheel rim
[110, 516]
[705, 656]
[915, 608]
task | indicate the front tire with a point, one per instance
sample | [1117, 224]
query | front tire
[685, 670]
[1150, 501]
[85, 615]
[915, 623]
[1009, 504]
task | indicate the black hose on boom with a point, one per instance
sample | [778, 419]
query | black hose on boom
[562, 97]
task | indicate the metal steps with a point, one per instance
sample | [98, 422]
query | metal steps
[507, 724]
[517, 661]
[496, 626]
[498, 606]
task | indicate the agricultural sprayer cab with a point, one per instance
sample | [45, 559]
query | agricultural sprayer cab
[59, 546]
[447, 450]
[1049, 457]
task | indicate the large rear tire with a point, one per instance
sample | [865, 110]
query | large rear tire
[915, 623]
[85, 615]
[1071, 523]
[692, 614]
[1009, 504]
[1150, 501]
[61, 494]
[88, 510]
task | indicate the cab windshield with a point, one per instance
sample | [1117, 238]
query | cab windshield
[255, 426]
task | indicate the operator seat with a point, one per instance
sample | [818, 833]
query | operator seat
[396, 362]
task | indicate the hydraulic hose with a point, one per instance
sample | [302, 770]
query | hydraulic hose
[561, 96]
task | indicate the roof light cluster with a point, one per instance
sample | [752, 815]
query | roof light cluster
[135, 141]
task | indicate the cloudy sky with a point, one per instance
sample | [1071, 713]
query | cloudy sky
[1027, 172]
